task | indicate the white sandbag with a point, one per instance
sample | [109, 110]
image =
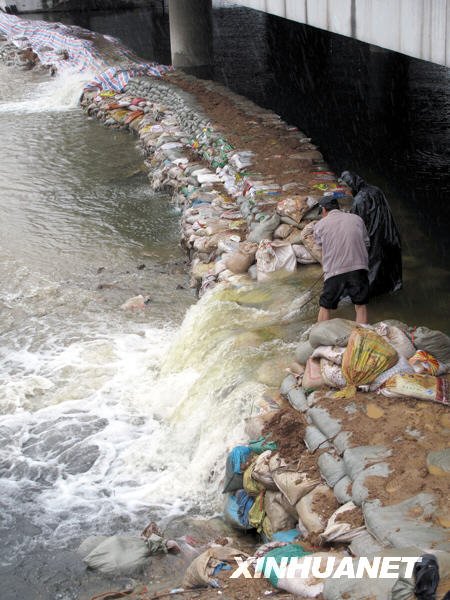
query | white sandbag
[118, 554]
[303, 255]
[332, 374]
[402, 366]
[261, 471]
[397, 338]
[338, 529]
[294, 485]
[274, 256]
[308, 240]
[332, 353]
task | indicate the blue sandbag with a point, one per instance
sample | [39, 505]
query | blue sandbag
[289, 535]
[233, 471]
[232, 509]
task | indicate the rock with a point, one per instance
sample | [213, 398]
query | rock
[135, 303]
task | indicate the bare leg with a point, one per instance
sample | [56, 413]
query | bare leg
[324, 314]
[361, 314]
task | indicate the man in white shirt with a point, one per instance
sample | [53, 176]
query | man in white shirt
[344, 240]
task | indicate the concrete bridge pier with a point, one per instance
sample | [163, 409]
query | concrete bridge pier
[191, 35]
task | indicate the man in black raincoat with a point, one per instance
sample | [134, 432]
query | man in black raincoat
[385, 252]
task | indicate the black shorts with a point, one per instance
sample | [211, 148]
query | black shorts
[354, 284]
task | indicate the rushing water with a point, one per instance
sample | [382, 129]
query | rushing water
[111, 418]
[108, 418]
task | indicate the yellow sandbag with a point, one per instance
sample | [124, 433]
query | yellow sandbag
[252, 487]
[119, 114]
[257, 514]
[367, 355]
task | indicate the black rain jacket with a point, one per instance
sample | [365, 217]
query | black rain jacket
[385, 252]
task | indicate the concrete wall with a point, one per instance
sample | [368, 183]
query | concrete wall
[418, 28]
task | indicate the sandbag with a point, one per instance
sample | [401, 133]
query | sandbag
[342, 490]
[308, 240]
[200, 571]
[332, 374]
[261, 471]
[236, 509]
[312, 377]
[294, 485]
[303, 351]
[366, 356]
[274, 256]
[118, 554]
[360, 492]
[314, 439]
[338, 530]
[308, 508]
[264, 230]
[335, 332]
[233, 470]
[331, 467]
[239, 262]
[424, 362]
[396, 337]
[322, 419]
[401, 366]
[332, 353]
[294, 207]
[304, 257]
[251, 486]
[297, 399]
[278, 512]
[358, 458]
[434, 342]
[421, 387]
[282, 231]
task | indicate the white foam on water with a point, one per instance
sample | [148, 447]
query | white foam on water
[61, 93]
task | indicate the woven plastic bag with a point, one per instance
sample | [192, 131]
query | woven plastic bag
[367, 355]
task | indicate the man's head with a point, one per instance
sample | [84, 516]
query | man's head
[328, 203]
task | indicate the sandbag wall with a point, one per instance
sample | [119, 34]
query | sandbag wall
[234, 222]
[284, 500]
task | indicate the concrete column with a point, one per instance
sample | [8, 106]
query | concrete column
[191, 33]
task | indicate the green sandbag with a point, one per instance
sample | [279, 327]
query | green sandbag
[261, 445]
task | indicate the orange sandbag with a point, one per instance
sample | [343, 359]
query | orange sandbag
[424, 362]
[367, 355]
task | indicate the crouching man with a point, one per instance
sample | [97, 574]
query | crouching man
[344, 241]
